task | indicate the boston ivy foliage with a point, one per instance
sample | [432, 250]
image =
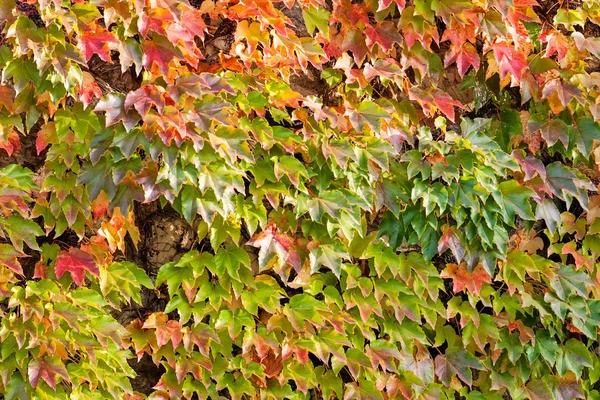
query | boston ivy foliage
[393, 199]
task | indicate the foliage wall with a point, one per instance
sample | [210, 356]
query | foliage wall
[382, 199]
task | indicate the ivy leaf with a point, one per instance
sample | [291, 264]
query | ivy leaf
[304, 307]
[22, 71]
[316, 18]
[566, 185]
[327, 255]
[97, 178]
[91, 43]
[114, 106]
[159, 51]
[384, 33]
[383, 4]
[125, 277]
[584, 134]
[547, 211]
[328, 202]
[462, 279]
[275, 248]
[231, 258]
[552, 130]
[234, 321]
[207, 112]
[514, 200]
[459, 362]
[9, 257]
[576, 357]
[569, 281]
[368, 113]
[21, 231]
[46, 368]
[76, 262]
[144, 98]
[165, 330]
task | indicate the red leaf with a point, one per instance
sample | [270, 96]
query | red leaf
[154, 18]
[557, 43]
[272, 244]
[465, 56]
[435, 98]
[355, 42]
[565, 92]
[88, 89]
[46, 368]
[91, 43]
[10, 142]
[76, 262]
[385, 34]
[462, 279]
[164, 329]
[100, 205]
[450, 240]
[383, 4]
[143, 98]
[158, 51]
[509, 60]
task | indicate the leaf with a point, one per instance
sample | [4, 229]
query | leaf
[165, 330]
[316, 18]
[76, 262]
[125, 277]
[304, 307]
[114, 106]
[234, 321]
[576, 357]
[552, 130]
[585, 132]
[275, 249]
[514, 200]
[462, 279]
[435, 99]
[9, 257]
[98, 42]
[569, 281]
[207, 112]
[566, 185]
[159, 51]
[22, 71]
[510, 60]
[330, 256]
[367, 113]
[21, 231]
[383, 4]
[144, 98]
[46, 368]
[385, 34]
[459, 362]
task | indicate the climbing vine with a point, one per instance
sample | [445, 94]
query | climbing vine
[379, 199]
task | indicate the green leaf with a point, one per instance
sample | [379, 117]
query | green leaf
[514, 200]
[459, 362]
[21, 230]
[584, 133]
[576, 357]
[316, 18]
[368, 113]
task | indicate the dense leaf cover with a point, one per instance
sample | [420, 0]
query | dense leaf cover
[392, 199]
